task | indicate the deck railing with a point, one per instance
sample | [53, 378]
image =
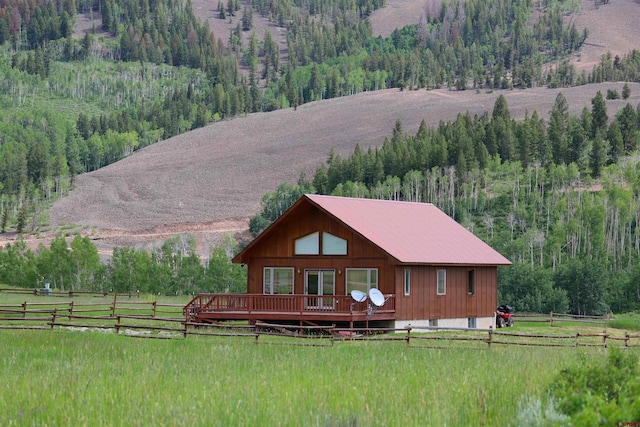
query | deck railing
[249, 303]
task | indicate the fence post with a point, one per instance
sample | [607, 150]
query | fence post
[626, 339]
[408, 335]
[155, 304]
[113, 307]
[118, 326]
[577, 335]
[551, 319]
[490, 337]
[71, 307]
[604, 338]
[53, 318]
[24, 309]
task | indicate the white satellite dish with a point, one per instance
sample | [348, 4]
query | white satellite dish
[358, 296]
[376, 297]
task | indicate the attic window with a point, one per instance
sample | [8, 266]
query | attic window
[308, 245]
[333, 245]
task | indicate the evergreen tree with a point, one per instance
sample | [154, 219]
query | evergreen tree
[599, 117]
[626, 91]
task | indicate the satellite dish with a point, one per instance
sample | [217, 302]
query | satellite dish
[358, 296]
[376, 297]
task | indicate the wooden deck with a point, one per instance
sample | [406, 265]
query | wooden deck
[209, 308]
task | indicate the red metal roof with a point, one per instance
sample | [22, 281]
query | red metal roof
[412, 233]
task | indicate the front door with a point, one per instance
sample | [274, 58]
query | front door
[320, 285]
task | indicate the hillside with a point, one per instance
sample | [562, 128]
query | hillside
[611, 28]
[210, 181]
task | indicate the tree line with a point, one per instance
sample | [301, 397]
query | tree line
[174, 268]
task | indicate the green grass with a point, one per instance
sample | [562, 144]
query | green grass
[61, 377]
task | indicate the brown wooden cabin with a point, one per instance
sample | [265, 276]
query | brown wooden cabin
[304, 267]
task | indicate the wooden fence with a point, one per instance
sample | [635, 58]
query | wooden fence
[58, 293]
[556, 319]
[152, 319]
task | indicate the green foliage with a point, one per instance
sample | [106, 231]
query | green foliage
[531, 290]
[172, 269]
[594, 394]
[276, 203]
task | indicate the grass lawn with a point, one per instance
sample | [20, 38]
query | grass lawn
[63, 377]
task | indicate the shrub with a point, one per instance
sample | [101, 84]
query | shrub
[600, 395]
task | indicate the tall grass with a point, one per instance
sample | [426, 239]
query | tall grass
[60, 377]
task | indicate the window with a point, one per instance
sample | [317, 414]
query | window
[471, 282]
[333, 245]
[433, 323]
[407, 281]
[442, 282]
[308, 245]
[471, 322]
[361, 279]
[278, 280]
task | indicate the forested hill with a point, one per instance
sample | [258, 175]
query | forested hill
[150, 71]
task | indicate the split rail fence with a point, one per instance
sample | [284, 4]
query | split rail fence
[151, 319]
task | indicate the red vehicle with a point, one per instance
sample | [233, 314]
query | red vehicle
[504, 316]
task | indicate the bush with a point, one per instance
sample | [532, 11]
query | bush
[600, 395]
[613, 94]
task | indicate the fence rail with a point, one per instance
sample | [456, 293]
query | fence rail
[152, 319]
[556, 318]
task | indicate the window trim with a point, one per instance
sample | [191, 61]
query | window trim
[471, 282]
[271, 282]
[407, 282]
[442, 291]
[368, 270]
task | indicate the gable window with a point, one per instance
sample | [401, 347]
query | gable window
[362, 279]
[471, 282]
[308, 245]
[407, 281]
[442, 282]
[278, 280]
[333, 245]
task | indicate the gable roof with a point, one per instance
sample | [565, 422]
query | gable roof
[410, 232]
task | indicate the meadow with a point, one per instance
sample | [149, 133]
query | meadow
[63, 377]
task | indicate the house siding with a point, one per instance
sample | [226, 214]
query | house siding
[423, 302]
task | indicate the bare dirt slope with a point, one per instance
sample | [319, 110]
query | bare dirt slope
[211, 180]
[613, 27]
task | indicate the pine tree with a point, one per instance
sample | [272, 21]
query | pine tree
[22, 219]
[3, 220]
[626, 91]
[599, 117]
